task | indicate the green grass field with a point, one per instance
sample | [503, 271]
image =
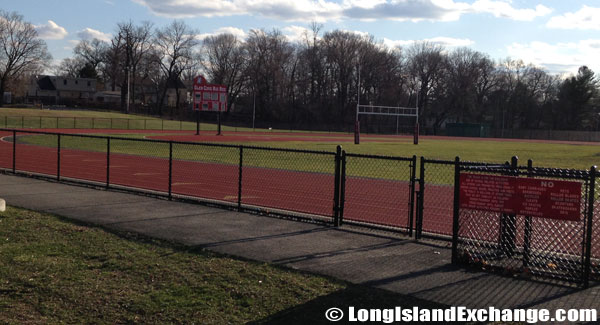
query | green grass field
[56, 271]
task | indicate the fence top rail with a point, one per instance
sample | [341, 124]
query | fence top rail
[533, 172]
[81, 117]
[358, 155]
[205, 144]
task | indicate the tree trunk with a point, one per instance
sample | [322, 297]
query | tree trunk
[161, 100]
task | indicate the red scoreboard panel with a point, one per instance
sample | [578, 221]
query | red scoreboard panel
[209, 97]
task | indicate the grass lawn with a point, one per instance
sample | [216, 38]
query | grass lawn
[56, 271]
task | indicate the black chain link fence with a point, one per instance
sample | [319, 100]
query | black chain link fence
[520, 245]
[379, 190]
[374, 191]
[295, 180]
[205, 170]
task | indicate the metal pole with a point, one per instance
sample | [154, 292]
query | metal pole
[455, 219]
[197, 122]
[254, 111]
[527, 235]
[219, 122]
[336, 186]
[589, 230]
[342, 187]
[356, 121]
[14, 166]
[108, 161]
[416, 131]
[128, 77]
[240, 168]
[170, 169]
[58, 159]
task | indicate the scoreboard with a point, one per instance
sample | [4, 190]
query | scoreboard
[209, 97]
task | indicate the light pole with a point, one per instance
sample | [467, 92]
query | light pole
[128, 77]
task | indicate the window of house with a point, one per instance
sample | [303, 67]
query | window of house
[89, 83]
[65, 82]
[222, 98]
[76, 82]
[207, 95]
[215, 96]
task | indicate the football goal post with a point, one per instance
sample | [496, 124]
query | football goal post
[395, 111]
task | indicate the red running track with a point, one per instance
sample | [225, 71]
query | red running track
[299, 191]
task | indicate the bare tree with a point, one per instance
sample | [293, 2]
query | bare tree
[21, 50]
[91, 52]
[426, 64]
[132, 42]
[174, 46]
[224, 60]
[269, 57]
[69, 67]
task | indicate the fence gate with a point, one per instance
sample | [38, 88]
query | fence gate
[524, 221]
[435, 196]
[379, 191]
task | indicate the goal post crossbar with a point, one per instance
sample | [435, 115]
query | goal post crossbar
[387, 110]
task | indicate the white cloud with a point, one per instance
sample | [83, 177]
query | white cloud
[505, 10]
[51, 31]
[239, 33]
[559, 57]
[587, 18]
[323, 10]
[90, 34]
[443, 41]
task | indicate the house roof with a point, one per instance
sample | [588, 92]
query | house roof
[45, 83]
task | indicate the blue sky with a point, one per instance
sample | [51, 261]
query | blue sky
[556, 34]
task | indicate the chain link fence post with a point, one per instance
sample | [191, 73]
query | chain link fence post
[456, 210]
[14, 162]
[336, 186]
[342, 200]
[240, 168]
[420, 196]
[589, 226]
[527, 232]
[58, 158]
[108, 162]
[170, 169]
[508, 226]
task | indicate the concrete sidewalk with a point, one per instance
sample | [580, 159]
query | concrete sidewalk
[384, 260]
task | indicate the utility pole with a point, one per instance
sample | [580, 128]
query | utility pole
[128, 77]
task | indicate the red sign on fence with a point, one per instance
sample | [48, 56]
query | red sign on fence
[524, 196]
[209, 97]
